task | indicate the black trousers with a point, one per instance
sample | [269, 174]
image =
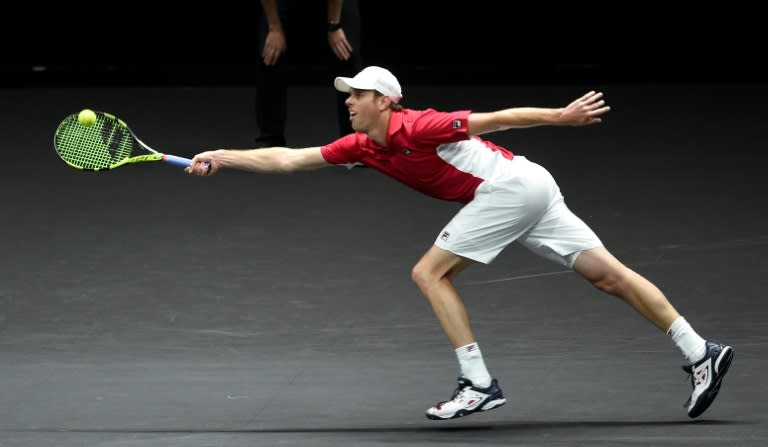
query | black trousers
[306, 31]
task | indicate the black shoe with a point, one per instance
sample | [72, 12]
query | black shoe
[706, 376]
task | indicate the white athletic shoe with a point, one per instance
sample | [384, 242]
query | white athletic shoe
[706, 376]
[467, 399]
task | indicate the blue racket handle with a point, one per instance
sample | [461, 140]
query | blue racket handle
[180, 161]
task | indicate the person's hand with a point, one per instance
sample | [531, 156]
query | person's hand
[339, 44]
[585, 110]
[274, 46]
[204, 163]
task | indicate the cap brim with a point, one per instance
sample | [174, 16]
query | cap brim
[342, 84]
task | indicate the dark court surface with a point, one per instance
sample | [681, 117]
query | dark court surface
[145, 307]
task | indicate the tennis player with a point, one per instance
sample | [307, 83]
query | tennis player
[507, 198]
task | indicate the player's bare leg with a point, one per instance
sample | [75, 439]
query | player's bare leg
[477, 390]
[606, 273]
[434, 274]
[708, 361]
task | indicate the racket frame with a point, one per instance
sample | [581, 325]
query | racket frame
[153, 155]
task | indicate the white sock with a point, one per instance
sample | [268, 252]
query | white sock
[473, 366]
[687, 340]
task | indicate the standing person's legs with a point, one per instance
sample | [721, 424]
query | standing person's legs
[270, 98]
[270, 104]
[350, 21]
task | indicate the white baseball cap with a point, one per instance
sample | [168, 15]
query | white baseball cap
[372, 78]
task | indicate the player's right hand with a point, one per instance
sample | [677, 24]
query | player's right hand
[203, 164]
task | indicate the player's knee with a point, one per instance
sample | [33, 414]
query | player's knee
[612, 282]
[423, 276]
[418, 275]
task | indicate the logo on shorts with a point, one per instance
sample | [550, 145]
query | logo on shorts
[456, 124]
[445, 235]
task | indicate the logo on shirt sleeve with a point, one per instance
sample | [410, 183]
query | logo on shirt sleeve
[456, 124]
[445, 235]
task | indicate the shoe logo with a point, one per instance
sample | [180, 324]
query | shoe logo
[701, 374]
[701, 377]
[470, 399]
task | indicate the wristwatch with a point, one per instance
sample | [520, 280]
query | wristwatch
[333, 26]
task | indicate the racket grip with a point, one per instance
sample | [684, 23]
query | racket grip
[181, 161]
[177, 161]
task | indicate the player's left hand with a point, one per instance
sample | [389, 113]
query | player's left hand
[584, 111]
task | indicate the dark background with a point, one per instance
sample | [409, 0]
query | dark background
[423, 42]
[145, 307]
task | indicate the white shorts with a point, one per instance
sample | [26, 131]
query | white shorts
[523, 204]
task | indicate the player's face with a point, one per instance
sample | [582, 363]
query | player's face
[364, 109]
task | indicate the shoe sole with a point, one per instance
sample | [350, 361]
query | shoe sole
[496, 403]
[707, 398]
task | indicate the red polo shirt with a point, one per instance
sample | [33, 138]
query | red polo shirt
[427, 150]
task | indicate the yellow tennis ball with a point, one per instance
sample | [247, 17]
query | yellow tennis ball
[87, 117]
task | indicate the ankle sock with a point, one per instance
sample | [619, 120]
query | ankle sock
[691, 345]
[473, 366]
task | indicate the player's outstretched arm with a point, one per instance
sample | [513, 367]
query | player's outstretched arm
[581, 112]
[267, 160]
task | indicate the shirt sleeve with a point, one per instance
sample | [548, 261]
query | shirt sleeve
[344, 150]
[433, 127]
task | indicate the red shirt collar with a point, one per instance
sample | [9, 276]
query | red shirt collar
[395, 124]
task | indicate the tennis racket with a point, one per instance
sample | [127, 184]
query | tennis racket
[108, 143]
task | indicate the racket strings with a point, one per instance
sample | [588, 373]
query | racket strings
[101, 145]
